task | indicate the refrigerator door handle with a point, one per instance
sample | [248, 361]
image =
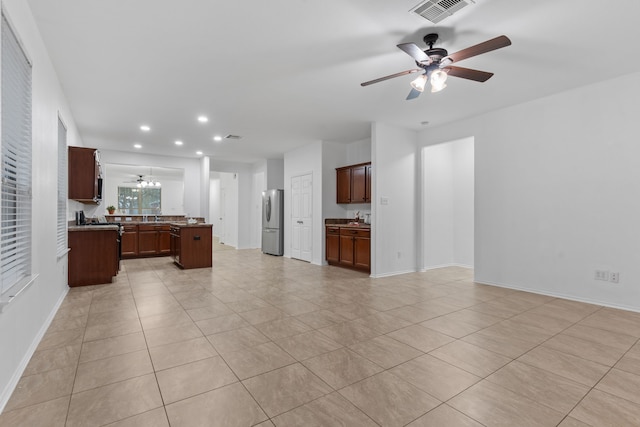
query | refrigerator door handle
[268, 208]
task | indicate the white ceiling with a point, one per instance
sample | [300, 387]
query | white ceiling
[283, 73]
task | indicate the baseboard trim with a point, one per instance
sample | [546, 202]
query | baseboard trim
[9, 389]
[561, 295]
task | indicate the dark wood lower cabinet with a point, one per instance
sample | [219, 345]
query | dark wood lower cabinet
[129, 241]
[93, 256]
[192, 245]
[348, 247]
[332, 246]
[362, 252]
[145, 240]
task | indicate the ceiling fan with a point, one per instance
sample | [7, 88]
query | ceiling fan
[435, 63]
[141, 182]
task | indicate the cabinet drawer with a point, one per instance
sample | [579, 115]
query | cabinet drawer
[333, 230]
[355, 232]
[130, 228]
[153, 227]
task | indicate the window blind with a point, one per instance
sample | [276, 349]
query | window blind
[15, 191]
[61, 232]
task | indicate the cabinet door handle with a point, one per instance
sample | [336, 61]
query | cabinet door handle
[300, 222]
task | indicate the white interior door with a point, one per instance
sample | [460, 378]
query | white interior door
[301, 217]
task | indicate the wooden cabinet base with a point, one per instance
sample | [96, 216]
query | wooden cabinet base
[93, 258]
[191, 246]
[348, 247]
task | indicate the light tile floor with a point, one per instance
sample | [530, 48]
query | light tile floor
[262, 340]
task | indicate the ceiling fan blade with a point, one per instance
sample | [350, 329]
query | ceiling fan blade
[381, 79]
[413, 94]
[415, 52]
[468, 73]
[484, 47]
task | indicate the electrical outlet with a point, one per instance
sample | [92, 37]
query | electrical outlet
[615, 277]
[602, 275]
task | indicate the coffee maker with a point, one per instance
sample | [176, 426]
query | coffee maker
[80, 219]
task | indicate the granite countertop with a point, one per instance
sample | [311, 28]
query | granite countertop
[198, 224]
[346, 223]
[361, 225]
[92, 227]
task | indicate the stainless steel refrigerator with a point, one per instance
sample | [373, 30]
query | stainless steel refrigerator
[273, 222]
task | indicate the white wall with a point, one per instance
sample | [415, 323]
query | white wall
[394, 228]
[214, 202]
[358, 152]
[193, 181]
[304, 160]
[172, 198]
[26, 318]
[229, 208]
[447, 204]
[274, 174]
[437, 205]
[205, 179]
[556, 197]
[463, 201]
[257, 187]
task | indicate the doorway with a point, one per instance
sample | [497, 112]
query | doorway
[448, 204]
[301, 217]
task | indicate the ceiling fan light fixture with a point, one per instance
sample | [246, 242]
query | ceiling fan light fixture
[419, 82]
[438, 79]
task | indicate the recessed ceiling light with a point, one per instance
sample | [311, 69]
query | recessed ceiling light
[145, 128]
[199, 153]
[217, 138]
[137, 145]
[178, 142]
[203, 119]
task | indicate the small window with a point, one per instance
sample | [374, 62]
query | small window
[139, 201]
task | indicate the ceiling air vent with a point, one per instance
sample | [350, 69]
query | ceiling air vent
[232, 137]
[436, 10]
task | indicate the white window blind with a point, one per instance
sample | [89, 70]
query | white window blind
[15, 193]
[61, 235]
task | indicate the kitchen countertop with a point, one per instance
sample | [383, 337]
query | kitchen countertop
[92, 227]
[362, 226]
[184, 224]
[345, 223]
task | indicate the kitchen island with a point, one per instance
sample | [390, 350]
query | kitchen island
[191, 245]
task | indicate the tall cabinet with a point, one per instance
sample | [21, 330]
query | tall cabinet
[85, 176]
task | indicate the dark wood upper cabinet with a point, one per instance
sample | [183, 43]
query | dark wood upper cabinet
[343, 178]
[367, 192]
[358, 185]
[85, 181]
[353, 184]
